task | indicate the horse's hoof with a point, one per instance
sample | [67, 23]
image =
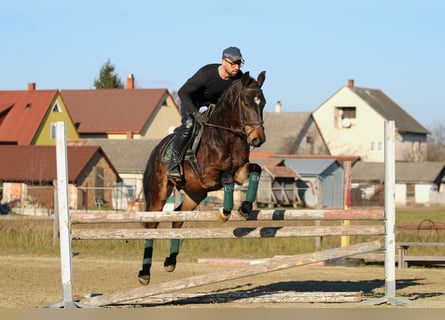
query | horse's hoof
[170, 268]
[144, 279]
[245, 208]
[170, 264]
[223, 216]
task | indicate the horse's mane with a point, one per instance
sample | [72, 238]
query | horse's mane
[232, 93]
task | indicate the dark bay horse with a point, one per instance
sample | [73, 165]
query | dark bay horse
[232, 127]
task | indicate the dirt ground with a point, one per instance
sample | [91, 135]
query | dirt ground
[35, 282]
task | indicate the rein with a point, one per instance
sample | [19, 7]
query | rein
[242, 133]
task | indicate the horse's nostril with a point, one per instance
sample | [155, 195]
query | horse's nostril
[257, 142]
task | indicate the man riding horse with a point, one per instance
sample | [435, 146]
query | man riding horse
[204, 88]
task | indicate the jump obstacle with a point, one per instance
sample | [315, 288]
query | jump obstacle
[67, 234]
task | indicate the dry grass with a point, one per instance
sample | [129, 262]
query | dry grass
[30, 236]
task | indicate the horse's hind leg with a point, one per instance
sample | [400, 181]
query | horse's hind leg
[170, 261]
[144, 273]
[192, 199]
[156, 191]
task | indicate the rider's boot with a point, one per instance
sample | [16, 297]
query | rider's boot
[179, 145]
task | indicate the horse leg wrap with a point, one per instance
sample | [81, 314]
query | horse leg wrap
[227, 181]
[144, 273]
[254, 179]
[148, 253]
[174, 246]
[170, 261]
[252, 188]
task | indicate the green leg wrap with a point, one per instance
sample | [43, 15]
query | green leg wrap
[228, 185]
[254, 179]
[174, 246]
[148, 252]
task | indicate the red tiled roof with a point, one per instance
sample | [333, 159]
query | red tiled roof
[38, 163]
[28, 110]
[112, 110]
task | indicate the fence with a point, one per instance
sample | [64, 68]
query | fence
[272, 265]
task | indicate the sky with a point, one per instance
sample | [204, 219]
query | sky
[309, 49]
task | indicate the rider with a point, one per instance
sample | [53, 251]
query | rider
[205, 87]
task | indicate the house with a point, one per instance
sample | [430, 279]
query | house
[351, 122]
[291, 133]
[122, 113]
[27, 175]
[26, 116]
[129, 157]
[417, 183]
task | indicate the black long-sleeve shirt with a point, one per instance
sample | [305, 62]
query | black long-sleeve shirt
[204, 88]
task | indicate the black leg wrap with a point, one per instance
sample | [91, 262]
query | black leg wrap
[170, 262]
[245, 209]
[253, 167]
[144, 275]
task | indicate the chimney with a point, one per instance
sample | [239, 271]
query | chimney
[130, 81]
[31, 86]
[351, 83]
[278, 107]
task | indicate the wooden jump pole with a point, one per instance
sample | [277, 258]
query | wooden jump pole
[211, 215]
[225, 233]
[274, 264]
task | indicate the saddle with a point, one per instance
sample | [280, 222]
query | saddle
[192, 146]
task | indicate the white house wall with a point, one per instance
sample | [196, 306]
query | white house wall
[400, 194]
[366, 128]
[422, 193]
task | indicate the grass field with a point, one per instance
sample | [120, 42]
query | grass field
[31, 236]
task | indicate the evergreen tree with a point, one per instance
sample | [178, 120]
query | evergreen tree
[108, 79]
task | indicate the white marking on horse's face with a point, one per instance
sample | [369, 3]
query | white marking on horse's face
[257, 101]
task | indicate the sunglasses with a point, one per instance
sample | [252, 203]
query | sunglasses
[239, 63]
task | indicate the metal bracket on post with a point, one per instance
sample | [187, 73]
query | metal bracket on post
[59, 134]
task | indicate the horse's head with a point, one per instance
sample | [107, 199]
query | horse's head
[251, 105]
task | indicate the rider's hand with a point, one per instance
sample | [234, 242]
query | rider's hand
[198, 116]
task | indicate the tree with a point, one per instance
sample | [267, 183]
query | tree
[108, 79]
[436, 142]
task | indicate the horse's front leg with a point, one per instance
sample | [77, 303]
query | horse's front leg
[254, 171]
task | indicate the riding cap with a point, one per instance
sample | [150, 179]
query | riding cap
[232, 54]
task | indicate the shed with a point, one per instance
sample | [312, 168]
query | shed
[277, 185]
[321, 183]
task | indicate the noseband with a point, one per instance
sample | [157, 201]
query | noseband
[244, 124]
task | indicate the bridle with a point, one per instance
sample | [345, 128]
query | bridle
[242, 132]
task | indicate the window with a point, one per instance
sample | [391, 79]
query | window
[376, 146]
[348, 112]
[345, 117]
[56, 108]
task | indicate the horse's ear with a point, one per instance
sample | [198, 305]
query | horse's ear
[245, 79]
[261, 78]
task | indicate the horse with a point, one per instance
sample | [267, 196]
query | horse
[232, 127]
